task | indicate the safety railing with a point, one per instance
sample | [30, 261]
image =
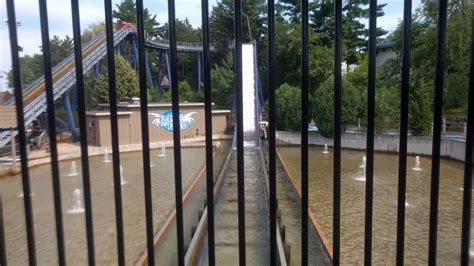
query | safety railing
[404, 111]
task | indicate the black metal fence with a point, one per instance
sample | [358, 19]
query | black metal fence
[405, 74]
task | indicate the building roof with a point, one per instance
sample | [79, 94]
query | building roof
[385, 45]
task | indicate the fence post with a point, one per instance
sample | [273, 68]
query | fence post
[3, 253]
[12, 135]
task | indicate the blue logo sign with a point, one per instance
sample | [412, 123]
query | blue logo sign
[165, 120]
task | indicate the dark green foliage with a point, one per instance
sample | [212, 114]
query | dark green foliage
[92, 31]
[288, 102]
[187, 62]
[184, 31]
[126, 12]
[60, 48]
[387, 108]
[186, 94]
[221, 20]
[31, 68]
[423, 62]
[322, 22]
[222, 83]
[126, 84]
[323, 106]
[288, 41]
[420, 115]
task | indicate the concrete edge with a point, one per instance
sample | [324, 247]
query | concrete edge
[142, 260]
[281, 251]
[197, 240]
[312, 217]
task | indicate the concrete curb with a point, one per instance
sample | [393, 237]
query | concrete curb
[196, 242]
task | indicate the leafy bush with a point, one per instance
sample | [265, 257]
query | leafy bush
[323, 105]
[186, 93]
[288, 107]
[126, 83]
[222, 83]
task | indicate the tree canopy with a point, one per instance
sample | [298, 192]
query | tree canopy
[126, 11]
[126, 83]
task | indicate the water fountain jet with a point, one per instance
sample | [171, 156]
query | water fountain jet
[77, 206]
[73, 169]
[106, 156]
[417, 164]
[163, 151]
[326, 150]
[122, 181]
[362, 167]
[21, 195]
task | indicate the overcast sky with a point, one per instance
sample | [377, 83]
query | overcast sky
[59, 11]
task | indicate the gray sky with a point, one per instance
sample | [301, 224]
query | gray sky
[59, 12]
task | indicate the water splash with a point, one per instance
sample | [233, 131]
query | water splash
[163, 151]
[77, 206]
[326, 150]
[122, 180]
[417, 164]
[73, 171]
[106, 156]
[21, 195]
[362, 175]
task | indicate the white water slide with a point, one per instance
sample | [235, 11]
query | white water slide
[250, 97]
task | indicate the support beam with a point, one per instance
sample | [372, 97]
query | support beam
[70, 117]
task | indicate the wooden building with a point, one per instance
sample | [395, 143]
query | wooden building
[192, 122]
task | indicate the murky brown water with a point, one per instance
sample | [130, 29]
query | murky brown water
[385, 205]
[103, 208]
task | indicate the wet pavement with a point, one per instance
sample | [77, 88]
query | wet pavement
[256, 216]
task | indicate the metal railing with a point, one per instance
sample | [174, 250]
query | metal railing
[79, 73]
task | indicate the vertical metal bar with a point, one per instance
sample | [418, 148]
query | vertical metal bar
[208, 126]
[48, 81]
[272, 129]
[114, 128]
[337, 131]
[30, 231]
[199, 59]
[466, 213]
[142, 71]
[3, 252]
[240, 128]
[438, 113]
[369, 185]
[76, 26]
[402, 156]
[304, 131]
[168, 69]
[176, 130]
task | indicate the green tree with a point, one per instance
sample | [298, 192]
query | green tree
[387, 108]
[187, 62]
[287, 100]
[60, 48]
[91, 31]
[222, 83]
[423, 62]
[221, 20]
[288, 54]
[31, 68]
[186, 93]
[126, 83]
[355, 30]
[184, 31]
[322, 22]
[323, 106]
[126, 11]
